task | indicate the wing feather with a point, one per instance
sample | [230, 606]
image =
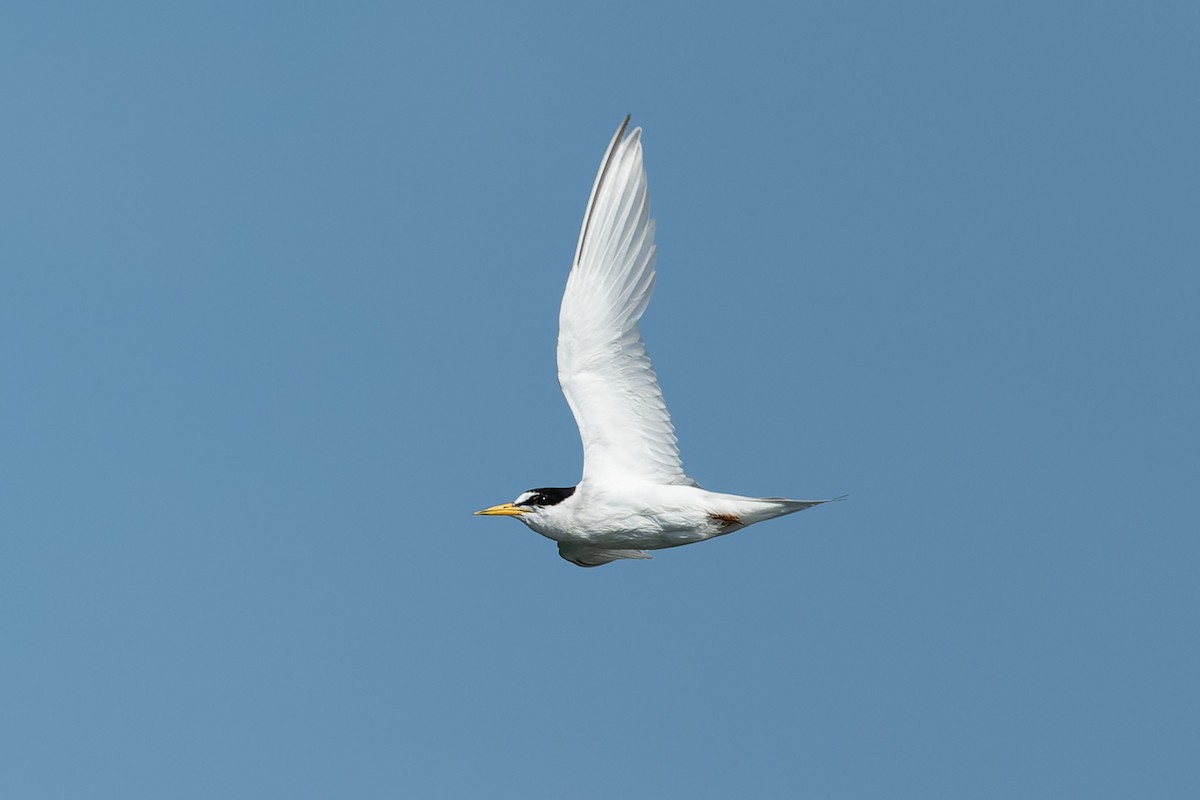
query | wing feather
[603, 366]
[589, 557]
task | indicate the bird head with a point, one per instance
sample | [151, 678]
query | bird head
[530, 504]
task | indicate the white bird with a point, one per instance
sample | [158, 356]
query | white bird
[634, 495]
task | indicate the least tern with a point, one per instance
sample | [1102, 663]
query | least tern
[634, 495]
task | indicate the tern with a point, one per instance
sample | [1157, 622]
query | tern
[634, 495]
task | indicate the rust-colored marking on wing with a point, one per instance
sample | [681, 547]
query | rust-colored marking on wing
[725, 519]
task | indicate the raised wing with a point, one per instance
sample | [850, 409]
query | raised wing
[603, 367]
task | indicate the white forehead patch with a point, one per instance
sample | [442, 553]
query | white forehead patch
[524, 498]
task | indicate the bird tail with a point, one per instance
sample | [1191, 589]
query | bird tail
[782, 506]
[793, 506]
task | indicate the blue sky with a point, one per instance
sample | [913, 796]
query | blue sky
[278, 295]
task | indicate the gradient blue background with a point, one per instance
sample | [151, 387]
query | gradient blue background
[278, 299]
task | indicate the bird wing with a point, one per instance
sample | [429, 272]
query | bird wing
[582, 556]
[603, 367]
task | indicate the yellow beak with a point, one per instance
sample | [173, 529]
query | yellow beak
[506, 510]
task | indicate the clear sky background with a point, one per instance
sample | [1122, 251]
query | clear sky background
[279, 286]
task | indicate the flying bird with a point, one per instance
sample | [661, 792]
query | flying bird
[634, 495]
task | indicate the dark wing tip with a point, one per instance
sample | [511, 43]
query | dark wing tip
[617, 138]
